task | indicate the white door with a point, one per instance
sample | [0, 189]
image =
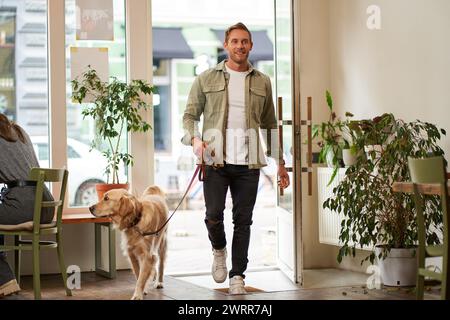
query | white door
[289, 244]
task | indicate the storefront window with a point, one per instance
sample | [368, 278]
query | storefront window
[87, 167]
[23, 69]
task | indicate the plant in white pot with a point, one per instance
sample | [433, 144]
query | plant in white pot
[115, 107]
[351, 131]
[373, 215]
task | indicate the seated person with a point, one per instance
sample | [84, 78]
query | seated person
[17, 157]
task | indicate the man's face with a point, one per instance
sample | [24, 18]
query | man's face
[238, 46]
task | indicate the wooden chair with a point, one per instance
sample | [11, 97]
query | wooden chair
[35, 230]
[430, 170]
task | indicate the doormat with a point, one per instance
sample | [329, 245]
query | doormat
[247, 288]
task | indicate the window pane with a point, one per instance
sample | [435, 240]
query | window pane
[87, 166]
[161, 112]
[23, 69]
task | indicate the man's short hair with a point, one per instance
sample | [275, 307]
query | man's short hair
[240, 26]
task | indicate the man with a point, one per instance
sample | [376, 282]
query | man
[236, 102]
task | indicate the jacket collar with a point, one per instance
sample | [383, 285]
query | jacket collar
[221, 66]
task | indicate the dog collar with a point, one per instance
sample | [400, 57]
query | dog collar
[136, 220]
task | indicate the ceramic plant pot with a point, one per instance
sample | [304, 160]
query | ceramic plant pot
[102, 188]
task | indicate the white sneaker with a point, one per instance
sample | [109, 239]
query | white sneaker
[237, 285]
[219, 267]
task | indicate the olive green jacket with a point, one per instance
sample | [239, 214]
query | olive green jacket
[209, 96]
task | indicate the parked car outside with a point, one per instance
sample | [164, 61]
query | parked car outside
[86, 168]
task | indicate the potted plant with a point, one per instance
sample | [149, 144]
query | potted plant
[331, 140]
[115, 108]
[373, 215]
[351, 132]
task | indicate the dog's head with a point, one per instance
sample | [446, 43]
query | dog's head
[119, 204]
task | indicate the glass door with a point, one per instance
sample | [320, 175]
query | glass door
[289, 244]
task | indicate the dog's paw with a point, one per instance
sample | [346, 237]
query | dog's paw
[159, 285]
[137, 296]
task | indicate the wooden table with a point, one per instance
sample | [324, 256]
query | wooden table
[425, 188]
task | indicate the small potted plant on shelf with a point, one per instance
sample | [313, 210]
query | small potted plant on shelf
[331, 139]
[115, 107]
[375, 217]
[351, 131]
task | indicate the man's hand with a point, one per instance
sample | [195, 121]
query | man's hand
[198, 147]
[284, 177]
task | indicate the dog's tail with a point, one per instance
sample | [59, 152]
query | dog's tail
[154, 190]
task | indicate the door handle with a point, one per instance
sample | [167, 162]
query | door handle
[308, 123]
[309, 126]
[280, 137]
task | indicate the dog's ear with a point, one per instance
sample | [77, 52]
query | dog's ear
[130, 210]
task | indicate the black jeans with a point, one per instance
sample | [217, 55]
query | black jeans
[243, 184]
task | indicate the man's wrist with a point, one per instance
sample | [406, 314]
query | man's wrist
[192, 140]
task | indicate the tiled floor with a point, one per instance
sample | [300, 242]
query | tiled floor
[330, 278]
[94, 287]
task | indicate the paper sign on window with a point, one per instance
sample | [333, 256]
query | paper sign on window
[94, 20]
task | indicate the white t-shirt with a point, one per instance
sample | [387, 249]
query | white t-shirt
[236, 149]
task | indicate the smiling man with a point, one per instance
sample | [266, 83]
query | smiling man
[236, 102]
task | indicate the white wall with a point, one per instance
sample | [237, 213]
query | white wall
[314, 80]
[404, 68]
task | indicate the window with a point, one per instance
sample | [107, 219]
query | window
[42, 151]
[87, 166]
[7, 63]
[162, 120]
[23, 67]
[71, 153]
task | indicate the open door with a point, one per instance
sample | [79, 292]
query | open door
[287, 88]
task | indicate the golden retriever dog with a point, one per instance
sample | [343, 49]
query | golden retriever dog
[134, 217]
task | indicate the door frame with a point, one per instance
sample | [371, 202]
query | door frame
[297, 116]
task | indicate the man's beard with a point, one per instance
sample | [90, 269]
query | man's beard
[239, 58]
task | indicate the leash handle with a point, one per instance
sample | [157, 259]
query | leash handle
[200, 168]
[201, 172]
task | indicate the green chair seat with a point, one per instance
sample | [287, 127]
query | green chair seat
[434, 251]
[26, 227]
[35, 230]
[430, 170]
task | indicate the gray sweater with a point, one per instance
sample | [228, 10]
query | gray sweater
[16, 159]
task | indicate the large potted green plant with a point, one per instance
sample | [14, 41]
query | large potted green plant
[115, 107]
[373, 215]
